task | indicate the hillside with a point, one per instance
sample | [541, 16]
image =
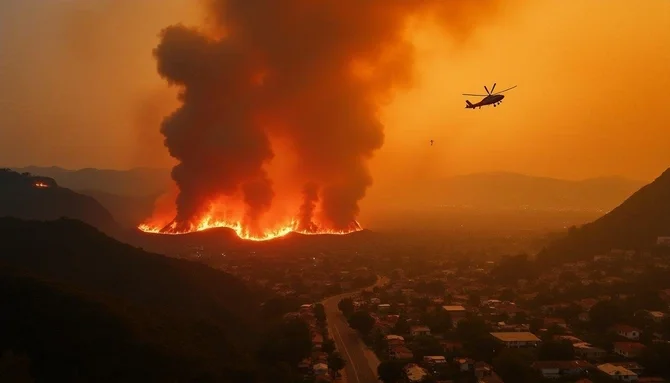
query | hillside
[84, 307]
[224, 239]
[133, 182]
[128, 210]
[40, 198]
[634, 224]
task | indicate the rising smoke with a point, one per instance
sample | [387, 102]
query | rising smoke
[314, 72]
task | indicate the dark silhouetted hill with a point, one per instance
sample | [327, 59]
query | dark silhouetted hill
[86, 308]
[40, 198]
[134, 182]
[634, 224]
[511, 191]
[128, 210]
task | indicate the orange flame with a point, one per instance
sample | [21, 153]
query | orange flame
[40, 184]
[209, 222]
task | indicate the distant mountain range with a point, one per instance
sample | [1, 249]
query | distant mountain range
[500, 190]
[130, 194]
[32, 197]
[134, 182]
[634, 224]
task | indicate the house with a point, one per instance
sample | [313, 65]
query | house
[393, 340]
[561, 368]
[419, 330]
[618, 373]
[663, 241]
[457, 313]
[632, 366]
[657, 316]
[483, 369]
[320, 369]
[588, 352]
[384, 307]
[568, 338]
[626, 331]
[464, 364]
[414, 373]
[400, 352]
[551, 322]
[434, 360]
[451, 346]
[628, 349]
[516, 339]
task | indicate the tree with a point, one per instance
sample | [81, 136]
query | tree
[556, 350]
[346, 306]
[15, 368]
[655, 359]
[335, 363]
[328, 346]
[289, 341]
[474, 300]
[320, 312]
[401, 326]
[604, 314]
[362, 322]
[390, 371]
[513, 365]
[426, 346]
[439, 321]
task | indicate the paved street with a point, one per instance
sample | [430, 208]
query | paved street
[361, 366]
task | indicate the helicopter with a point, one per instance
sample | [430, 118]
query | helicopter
[489, 99]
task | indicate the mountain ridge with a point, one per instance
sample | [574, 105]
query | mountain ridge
[635, 224]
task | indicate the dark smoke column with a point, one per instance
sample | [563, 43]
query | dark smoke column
[221, 149]
[326, 66]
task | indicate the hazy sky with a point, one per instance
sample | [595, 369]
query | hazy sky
[79, 89]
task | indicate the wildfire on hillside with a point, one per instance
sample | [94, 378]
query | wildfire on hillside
[40, 184]
[210, 221]
[280, 109]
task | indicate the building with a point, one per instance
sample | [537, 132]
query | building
[618, 373]
[663, 241]
[393, 340]
[628, 349]
[400, 352]
[414, 373]
[457, 313]
[588, 352]
[561, 368]
[626, 331]
[419, 330]
[384, 307]
[516, 339]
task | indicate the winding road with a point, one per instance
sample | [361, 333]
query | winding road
[361, 362]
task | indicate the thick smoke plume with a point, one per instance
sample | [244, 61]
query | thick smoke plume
[314, 72]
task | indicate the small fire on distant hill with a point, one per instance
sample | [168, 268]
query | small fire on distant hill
[40, 184]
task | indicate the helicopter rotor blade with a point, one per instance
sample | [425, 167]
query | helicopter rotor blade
[493, 87]
[487, 89]
[474, 95]
[506, 89]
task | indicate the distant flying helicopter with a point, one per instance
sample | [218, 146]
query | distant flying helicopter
[489, 98]
[431, 142]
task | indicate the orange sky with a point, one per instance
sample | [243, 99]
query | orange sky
[592, 76]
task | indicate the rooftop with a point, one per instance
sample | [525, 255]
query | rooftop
[415, 373]
[612, 370]
[453, 308]
[515, 336]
